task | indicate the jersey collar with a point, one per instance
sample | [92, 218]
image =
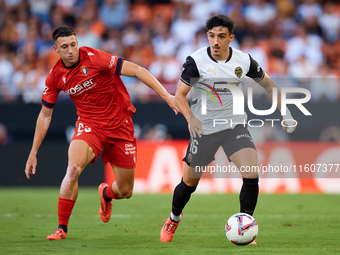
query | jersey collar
[229, 57]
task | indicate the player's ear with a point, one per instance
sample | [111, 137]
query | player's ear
[55, 48]
[231, 38]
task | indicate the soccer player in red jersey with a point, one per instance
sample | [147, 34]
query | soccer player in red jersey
[92, 79]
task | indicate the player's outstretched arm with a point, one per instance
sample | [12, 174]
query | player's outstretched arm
[132, 70]
[194, 125]
[268, 84]
[43, 123]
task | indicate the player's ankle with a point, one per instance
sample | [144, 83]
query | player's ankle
[176, 218]
[105, 197]
[63, 227]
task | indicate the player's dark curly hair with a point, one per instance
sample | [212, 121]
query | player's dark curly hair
[62, 32]
[221, 20]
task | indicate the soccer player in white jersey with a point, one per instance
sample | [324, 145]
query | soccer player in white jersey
[215, 69]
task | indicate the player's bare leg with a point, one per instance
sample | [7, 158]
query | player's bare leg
[122, 187]
[246, 157]
[79, 155]
[188, 178]
[180, 198]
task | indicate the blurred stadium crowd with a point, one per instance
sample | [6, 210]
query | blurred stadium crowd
[297, 39]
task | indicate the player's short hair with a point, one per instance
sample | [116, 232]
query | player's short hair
[221, 20]
[62, 32]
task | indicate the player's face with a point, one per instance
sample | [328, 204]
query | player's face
[219, 40]
[67, 47]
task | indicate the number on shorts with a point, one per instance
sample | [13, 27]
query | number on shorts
[82, 128]
[193, 146]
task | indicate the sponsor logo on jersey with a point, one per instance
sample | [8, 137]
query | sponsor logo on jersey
[238, 72]
[212, 70]
[84, 70]
[90, 54]
[80, 88]
[79, 134]
[64, 80]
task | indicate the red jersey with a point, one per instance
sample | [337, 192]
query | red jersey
[94, 85]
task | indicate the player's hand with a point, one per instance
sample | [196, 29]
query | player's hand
[288, 129]
[195, 127]
[31, 165]
[171, 102]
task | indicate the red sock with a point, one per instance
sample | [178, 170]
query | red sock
[65, 207]
[110, 194]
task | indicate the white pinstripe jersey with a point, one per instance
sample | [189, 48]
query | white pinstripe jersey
[209, 80]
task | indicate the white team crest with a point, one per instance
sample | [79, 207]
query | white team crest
[90, 54]
[238, 72]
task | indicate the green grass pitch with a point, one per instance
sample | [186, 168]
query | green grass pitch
[288, 224]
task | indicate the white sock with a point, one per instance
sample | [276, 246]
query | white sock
[175, 218]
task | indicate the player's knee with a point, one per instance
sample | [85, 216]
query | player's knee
[250, 175]
[250, 171]
[191, 182]
[185, 188]
[73, 171]
[126, 192]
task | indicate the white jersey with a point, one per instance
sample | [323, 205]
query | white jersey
[212, 82]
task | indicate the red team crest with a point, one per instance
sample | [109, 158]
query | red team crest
[84, 70]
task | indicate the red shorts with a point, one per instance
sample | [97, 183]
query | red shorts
[118, 145]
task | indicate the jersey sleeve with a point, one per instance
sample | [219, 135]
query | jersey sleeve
[50, 93]
[255, 71]
[105, 61]
[190, 72]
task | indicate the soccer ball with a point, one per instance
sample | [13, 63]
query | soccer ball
[241, 229]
